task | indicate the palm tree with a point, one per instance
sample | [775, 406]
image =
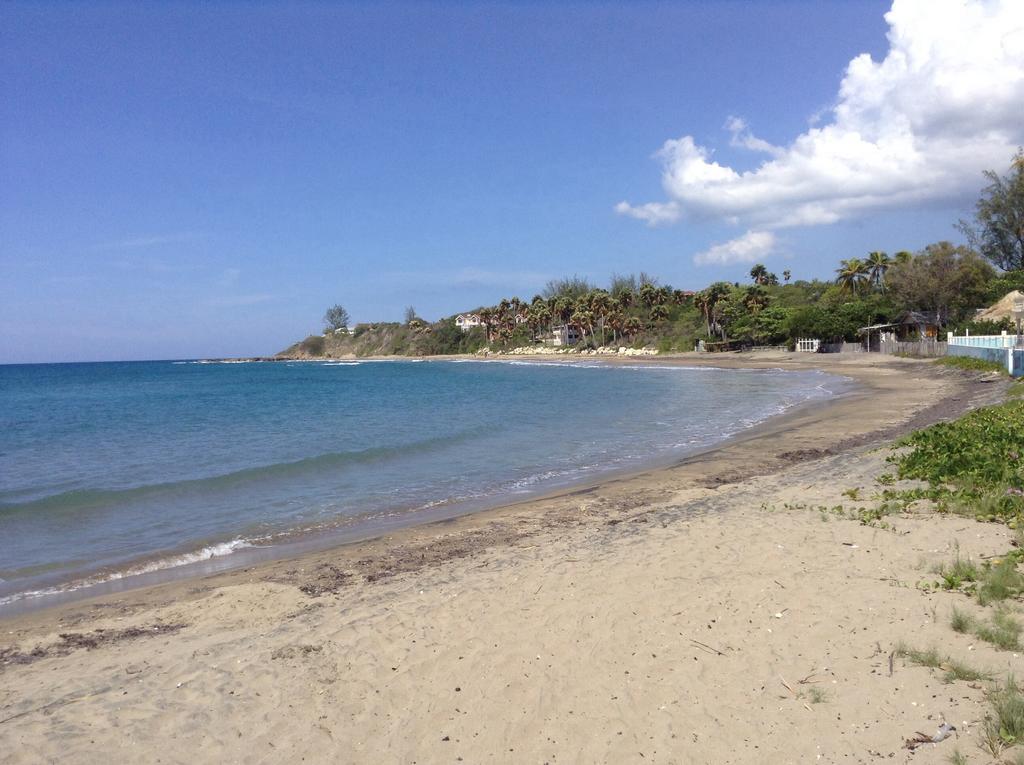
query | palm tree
[852, 274]
[786, 275]
[583, 318]
[487, 319]
[659, 312]
[708, 298]
[903, 257]
[537, 316]
[600, 304]
[878, 263]
[648, 294]
[626, 298]
[616, 320]
[755, 298]
[632, 326]
[759, 274]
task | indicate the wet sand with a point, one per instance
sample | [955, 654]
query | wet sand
[668, 616]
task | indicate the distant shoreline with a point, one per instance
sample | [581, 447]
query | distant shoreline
[154, 570]
[785, 426]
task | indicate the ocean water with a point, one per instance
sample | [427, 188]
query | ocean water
[110, 469]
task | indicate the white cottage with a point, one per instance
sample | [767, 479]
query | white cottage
[466, 321]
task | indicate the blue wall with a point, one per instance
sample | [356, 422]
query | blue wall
[997, 355]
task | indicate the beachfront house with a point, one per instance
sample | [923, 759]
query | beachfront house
[466, 321]
[908, 326]
[562, 335]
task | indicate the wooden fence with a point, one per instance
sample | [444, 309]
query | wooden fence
[924, 348]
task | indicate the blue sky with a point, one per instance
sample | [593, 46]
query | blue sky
[202, 180]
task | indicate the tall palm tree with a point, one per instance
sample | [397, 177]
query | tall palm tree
[583, 319]
[707, 299]
[787, 274]
[759, 274]
[648, 294]
[755, 298]
[600, 304]
[659, 312]
[878, 263]
[852, 274]
[537, 316]
[632, 326]
[616, 320]
[487, 319]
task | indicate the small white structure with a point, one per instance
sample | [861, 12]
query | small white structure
[466, 321]
[563, 335]
[808, 345]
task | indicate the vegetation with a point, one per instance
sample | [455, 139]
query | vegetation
[998, 228]
[972, 364]
[1004, 725]
[954, 670]
[972, 464]
[336, 318]
[944, 282]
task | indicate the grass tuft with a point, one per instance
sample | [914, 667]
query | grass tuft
[954, 670]
[1003, 631]
[1004, 725]
[961, 622]
[959, 572]
[1000, 581]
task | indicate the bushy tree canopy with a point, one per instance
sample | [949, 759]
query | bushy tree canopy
[998, 228]
[336, 318]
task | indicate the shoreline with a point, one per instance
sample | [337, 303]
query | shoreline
[164, 568]
[678, 614]
[315, 545]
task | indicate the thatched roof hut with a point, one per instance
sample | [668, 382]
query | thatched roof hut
[1002, 309]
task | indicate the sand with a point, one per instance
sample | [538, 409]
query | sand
[708, 612]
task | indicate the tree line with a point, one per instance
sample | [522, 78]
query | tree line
[946, 282]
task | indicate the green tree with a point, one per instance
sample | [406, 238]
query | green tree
[755, 298]
[852, 274]
[998, 228]
[878, 263]
[759, 273]
[336, 318]
[659, 312]
[707, 300]
[648, 294]
[946, 282]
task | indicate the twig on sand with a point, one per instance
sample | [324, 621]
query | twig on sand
[706, 647]
[58, 703]
[787, 685]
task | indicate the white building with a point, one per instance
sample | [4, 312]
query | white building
[563, 335]
[466, 321]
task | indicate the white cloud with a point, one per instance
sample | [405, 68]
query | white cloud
[752, 246]
[743, 138]
[919, 126]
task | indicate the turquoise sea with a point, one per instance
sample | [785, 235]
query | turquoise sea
[111, 469]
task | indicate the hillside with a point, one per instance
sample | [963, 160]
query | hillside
[388, 339]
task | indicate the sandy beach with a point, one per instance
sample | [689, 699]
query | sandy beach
[723, 610]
